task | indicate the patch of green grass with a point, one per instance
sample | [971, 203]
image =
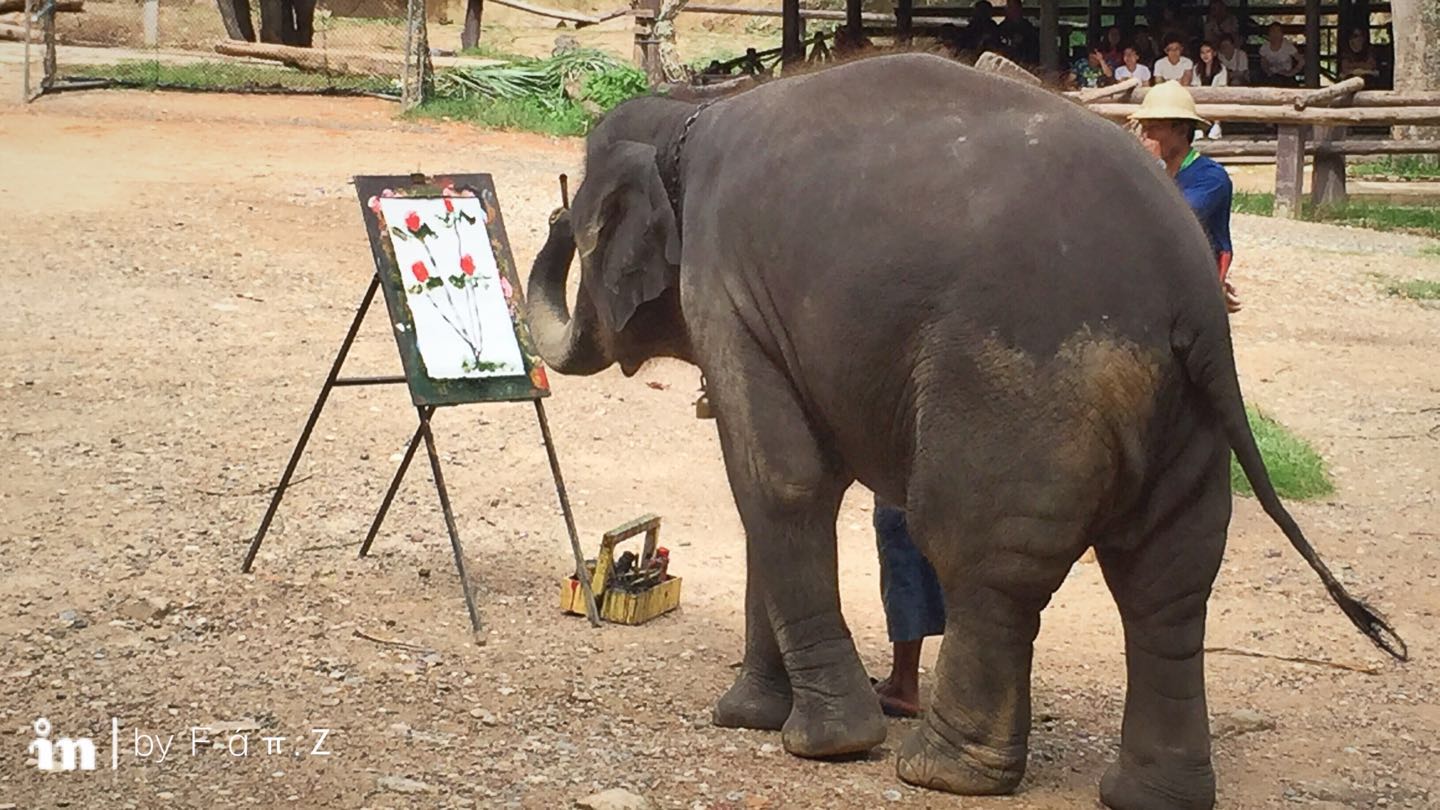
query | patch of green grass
[151, 75]
[528, 114]
[1416, 289]
[1430, 250]
[1296, 470]
[1377, 216]
[1404, 167]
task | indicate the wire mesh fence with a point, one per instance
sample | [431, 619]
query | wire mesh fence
[324, 46]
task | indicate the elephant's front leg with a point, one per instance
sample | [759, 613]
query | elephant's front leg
[788, 493]
[761, 697]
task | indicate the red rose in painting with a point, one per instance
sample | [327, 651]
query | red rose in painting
[412, 221]
[467, 265]
[418, 268]
[449, 206]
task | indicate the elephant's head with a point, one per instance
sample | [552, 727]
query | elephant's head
[624, 227]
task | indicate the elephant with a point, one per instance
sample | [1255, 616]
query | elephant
[893, 272]
[288, 22]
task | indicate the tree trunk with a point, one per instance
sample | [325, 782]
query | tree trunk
[470, 34]
[1417, 53]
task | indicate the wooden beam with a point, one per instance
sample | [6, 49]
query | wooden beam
[792, 44]
[1312, 43]
[854, 17]
[1336, 116]
[547, 11]
[1050, 35]
[1327, 175]
[904, 11]
[1289, 171]
[314, 59]
[1348, 146]
[8, 6]
[1118, 90]
[1335, 92]
[1092, 21]
[1286, 96]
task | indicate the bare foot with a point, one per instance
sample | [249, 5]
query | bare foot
[896, 701]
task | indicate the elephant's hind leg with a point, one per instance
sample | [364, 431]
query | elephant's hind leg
[788, 491]
[998, 571]
[760, 697]
[1161, 587]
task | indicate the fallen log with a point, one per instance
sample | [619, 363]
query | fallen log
[313, 60]
[16, 33]
[8, 6]
[1326, 116]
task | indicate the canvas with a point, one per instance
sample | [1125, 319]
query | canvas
[451, 289]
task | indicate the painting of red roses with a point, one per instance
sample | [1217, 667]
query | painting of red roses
[459, 302]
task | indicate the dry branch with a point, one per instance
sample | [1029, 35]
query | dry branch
[7, 6]
[308, 59]
[1293, 659]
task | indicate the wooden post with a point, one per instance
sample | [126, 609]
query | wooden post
[853, 19]
[1312, 43]
[1092, 22]
[150, 22]
[1327, 175]
[470, 33]
[1289, 170]
[792, 47]
[1050, 36]
[1126, 20]
[904, 14]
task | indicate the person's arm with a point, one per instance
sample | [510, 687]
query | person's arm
[1222, 78]
[1298, 62]
[1188, 78]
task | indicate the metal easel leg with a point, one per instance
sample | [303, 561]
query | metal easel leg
[591, 610]
[449, 518]
[425, 412]
[310, 423]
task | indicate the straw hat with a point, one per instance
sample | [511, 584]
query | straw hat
[1168, 101]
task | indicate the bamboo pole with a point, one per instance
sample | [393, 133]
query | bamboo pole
[1329, 116]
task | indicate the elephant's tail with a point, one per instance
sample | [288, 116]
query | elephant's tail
[1209, 362]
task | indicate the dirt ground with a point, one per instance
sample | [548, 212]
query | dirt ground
[178, 273]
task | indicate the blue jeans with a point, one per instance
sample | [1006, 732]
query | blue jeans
[914, 603]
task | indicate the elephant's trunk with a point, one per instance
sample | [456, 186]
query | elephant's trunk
[568, 344]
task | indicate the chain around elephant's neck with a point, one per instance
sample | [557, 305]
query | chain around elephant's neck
[671, 178]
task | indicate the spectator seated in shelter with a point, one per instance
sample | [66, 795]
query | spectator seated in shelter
[1175, 66]
[1281, 63]
[1220, 23]
[982, 34]
[1356, 58]
[1091, 70]
[1236, 62]
[1132, 68]
[1112, 47]
[1144, 44]
[1019, 40]
[1210, 72]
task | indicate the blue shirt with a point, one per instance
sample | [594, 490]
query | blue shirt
[1207, 188]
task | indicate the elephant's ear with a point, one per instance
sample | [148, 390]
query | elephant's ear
[625, 231]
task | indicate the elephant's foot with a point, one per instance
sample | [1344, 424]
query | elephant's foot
[1127, 786]
[834, 725]
[927, 759]
[754, 701]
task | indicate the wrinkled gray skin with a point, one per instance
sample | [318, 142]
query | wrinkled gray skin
[895, 272]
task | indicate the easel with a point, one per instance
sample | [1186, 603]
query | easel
[422, 433]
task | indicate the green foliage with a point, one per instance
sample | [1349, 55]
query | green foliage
[1378, 216]
[1416, 289]
[527, 114]
[610, 87]
[549, 96]
[151, 75]
[1404, 167]
[1296, 470]
[1430, 250]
